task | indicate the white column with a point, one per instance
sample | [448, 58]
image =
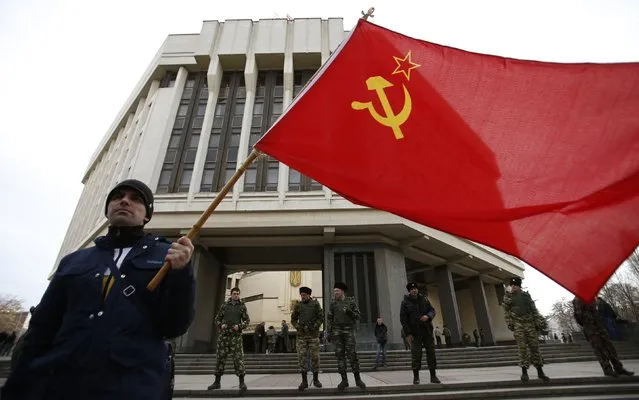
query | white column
[282, 182]
[250, 82]
[178, 88]
[214, 79]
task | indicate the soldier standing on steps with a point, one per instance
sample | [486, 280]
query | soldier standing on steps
[342, 315]
[416, 315]
[307, 318]
[524, 320]
[593, 326]
[231, 320]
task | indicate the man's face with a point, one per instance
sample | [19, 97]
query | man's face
[126, 208]
[305, 296]
[514, 288]
[379, 321]
[338, 293]
[235, 295]
[413, 292]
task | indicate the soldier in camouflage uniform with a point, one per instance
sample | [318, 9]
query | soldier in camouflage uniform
[593, 326]
[343, 313]
[525, 321]
[307, 318]
[416, 316]
[231, 320]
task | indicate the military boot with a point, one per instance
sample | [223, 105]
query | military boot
[623, 371]
[358, 381]
[216, 384]
[344, 383]
[541, 375]
[242, 384]
[524, 374]
[304, 383]
[610, 372]
[433, 376]
[316, 381]
[415, 377]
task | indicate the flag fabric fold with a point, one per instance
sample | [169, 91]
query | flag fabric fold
[539, 160]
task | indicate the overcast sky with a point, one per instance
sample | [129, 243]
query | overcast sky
[67, 67]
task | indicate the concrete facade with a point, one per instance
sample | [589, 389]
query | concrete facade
[279, 230]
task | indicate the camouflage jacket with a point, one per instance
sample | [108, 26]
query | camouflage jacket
[520, 307]
[307, 317]
[232, 313]
[587, 315]
[342, 314]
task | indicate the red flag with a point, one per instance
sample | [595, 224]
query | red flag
[539, 160]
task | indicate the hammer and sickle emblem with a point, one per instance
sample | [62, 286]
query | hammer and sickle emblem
[389, 119]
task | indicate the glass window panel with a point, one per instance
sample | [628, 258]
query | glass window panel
[179, 123]
[231, 155]
[195, 141]
[190, 155]
[182, 110]
[165, 177]
[272, 175]
[239, 109]
[235, 140]
[279, 79]
[201, 109]
[237, 121]
[211, 155]
[251, 175]
[171, 156]
[228, 174]
[294, 176]
[190, 83]
[217, 122]
[257, 122]
[277, 107]
[197, 122]
[258, 108]
[219, 108]
[261, 91]
[207, 175]
[241, 92]
[186, 177]
[214, 141]
[188, 92]
[204, 92]
[174, 142]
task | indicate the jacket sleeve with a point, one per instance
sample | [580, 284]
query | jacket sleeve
[219, 318]
[245, 317]
[507, 310]
[430, 310]
[319, 314]
[177, 302]
[329, 318]
[403, 318]
[354, 310]
[295, 316]
[43, 327]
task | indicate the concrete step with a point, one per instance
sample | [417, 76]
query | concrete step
[512, 389]
[332, 367]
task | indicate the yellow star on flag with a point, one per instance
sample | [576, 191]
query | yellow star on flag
[404, 65]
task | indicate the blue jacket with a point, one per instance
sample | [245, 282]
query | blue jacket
[83, 346]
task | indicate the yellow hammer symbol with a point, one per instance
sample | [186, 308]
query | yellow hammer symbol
[389, 119]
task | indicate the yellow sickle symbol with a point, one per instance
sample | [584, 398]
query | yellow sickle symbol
[378, 84]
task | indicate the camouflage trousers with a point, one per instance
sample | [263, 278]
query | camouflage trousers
[308, 344]
[527, 338]
[344, 341]
[604, 350]
[419, 342]
[230, 344]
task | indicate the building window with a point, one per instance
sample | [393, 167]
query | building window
[357, 271]
[298, 182]
[221, 154]
[229, 283]
[168, 80]
[185, 136]
[262, 175]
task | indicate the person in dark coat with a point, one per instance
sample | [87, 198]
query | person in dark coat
[416, 316]
[609, 317]
[592, 323]
[98, 332]
[381, 335]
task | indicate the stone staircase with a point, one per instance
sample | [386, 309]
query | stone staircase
[465, 357]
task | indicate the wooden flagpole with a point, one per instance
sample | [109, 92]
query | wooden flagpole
[195, 229]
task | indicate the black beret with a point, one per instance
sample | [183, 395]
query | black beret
[515, 281]
[340, 285]
[411, 285]
[306, 290]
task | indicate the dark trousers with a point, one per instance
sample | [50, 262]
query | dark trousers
[427, 342]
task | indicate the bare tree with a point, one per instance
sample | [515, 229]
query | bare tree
[562, 313]
[632, 264]
[12, 314]
[623, 295]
